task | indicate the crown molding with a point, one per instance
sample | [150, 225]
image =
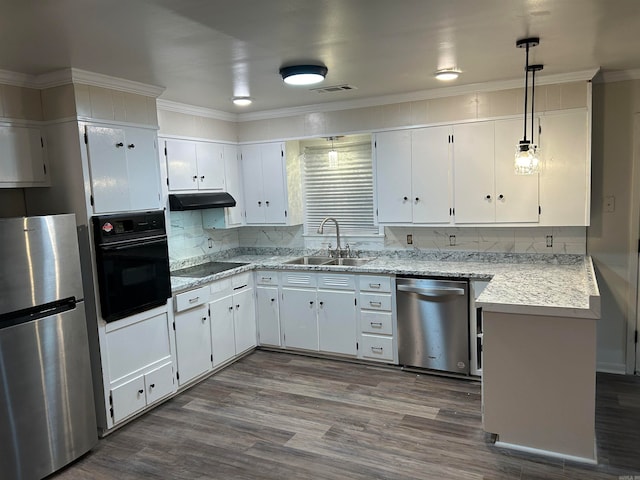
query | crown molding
[177, 107]
[617, 76]
[583, 75]
[18, 79]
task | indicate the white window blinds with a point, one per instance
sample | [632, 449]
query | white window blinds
[340, 187]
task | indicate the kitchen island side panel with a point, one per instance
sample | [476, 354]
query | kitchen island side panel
[539, 375]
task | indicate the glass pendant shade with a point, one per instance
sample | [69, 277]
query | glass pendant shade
[527, 161]
[333, 158]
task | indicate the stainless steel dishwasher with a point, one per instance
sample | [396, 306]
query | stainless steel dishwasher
[433, 324]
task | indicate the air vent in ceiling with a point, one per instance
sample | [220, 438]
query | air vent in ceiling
[334, 88]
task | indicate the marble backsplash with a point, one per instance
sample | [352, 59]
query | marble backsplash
[188, 240]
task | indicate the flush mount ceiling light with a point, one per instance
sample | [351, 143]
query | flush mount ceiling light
[527, 161]
[242, 101]
[303, 74]
[447, 74]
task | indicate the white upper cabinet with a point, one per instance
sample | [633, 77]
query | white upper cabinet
[516, 195]
[265, 187]
[233, 177]
[474, 172]
[565, 173]
[195, 165]
[431, 175]
[413, 176]
[124, 171]
[22, 159]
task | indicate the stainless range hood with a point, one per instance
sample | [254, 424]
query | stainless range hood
[199, 201]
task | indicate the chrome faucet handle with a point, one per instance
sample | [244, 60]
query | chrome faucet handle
[348, 251]
[329, 250]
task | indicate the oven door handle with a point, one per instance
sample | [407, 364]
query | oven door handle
[431, 292]
[133, 243]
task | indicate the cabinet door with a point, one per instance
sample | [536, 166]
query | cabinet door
[159, 383]
[431, 175]
[473, 157]
[143, 169]
[193, 343]
[244, 319]
[210, 164]
[299, 318]
[275, 189]
[128, 398]
[108, 169]
[565, 169]
[181, 165]
[393, 176]
[252, 184]
[337, 322]
[233, 176]
[268, 316]
[21, 155]
[223, 340]
[516, 195]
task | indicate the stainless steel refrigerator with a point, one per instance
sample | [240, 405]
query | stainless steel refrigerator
[47, 413]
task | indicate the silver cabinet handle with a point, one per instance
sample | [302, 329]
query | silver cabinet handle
[266, 279]
[431, 292]
[194, 299]
[375, 304]
[377, 349]
[376, 324]
[374, 285]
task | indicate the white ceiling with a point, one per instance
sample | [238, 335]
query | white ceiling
[206, 51]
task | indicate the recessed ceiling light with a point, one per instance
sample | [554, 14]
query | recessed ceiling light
[242, 101]
[447, 74]
[303, 74]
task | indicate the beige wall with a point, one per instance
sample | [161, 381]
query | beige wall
[448, 109]
[608, 237]
[184, 125]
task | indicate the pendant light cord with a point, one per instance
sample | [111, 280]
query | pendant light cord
[526, 88]
[533, 93]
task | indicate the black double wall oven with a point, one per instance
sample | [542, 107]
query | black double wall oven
[132, 262]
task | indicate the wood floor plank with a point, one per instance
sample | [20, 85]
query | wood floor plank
[280, 416]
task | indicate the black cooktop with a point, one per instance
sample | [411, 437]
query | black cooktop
[206, 269]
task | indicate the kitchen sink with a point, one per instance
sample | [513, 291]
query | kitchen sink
[352, 262]
[310, 260]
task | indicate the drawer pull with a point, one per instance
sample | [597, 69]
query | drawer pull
[266, 279]
[377, 349]
[375, 304]
[376, 324]
[374, 285]
[194, 299]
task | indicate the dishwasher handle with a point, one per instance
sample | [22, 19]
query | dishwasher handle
[432, 292]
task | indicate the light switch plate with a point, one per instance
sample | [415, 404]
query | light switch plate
[609, 204]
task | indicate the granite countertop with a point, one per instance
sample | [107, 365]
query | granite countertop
[566, 290]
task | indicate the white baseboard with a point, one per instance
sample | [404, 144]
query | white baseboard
[605, 367]
[537, 451]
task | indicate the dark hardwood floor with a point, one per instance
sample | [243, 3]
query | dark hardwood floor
[281, 416]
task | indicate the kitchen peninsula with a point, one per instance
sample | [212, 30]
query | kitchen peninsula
[538, 327]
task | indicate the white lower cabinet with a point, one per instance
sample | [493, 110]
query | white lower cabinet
[377, 319]
[223, 340]
[138, 367]
[318, 312]
[268, 311]
[244, 319]
[193, 343]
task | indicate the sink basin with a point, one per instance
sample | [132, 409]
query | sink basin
[308, 260]
[352, 262]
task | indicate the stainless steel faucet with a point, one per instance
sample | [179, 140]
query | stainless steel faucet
[321, 229]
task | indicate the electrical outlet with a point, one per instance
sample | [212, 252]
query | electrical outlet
[409, 239]
[609, 204]
[452, 240]
[549, 241]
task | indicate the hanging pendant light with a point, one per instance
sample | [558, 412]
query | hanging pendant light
[527, 160]
[333, 155]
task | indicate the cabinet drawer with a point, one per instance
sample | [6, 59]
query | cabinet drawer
[159, 382]
[192, 298]
[298, 279]
[373, 301]
[336, 281]
[370, 283]
[267, 278]
[128, 398]
[375, 347]
[376, 322]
